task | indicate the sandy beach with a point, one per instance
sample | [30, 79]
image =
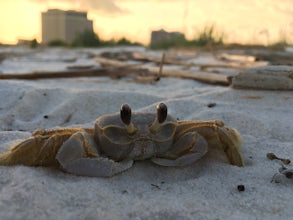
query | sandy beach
[208, 189]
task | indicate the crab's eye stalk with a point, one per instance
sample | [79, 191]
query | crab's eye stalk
[125, 115]
[161, 112]
[161, 117]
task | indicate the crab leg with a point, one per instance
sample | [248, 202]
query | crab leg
[79, 155]
[38, 150]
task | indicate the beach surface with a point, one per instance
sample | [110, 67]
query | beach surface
[207, 189]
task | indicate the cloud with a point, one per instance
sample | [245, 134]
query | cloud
[285, 9]
[106, 7]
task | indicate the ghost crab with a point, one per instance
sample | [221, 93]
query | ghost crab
[119, 139]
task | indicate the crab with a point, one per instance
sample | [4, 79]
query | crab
[117, 140]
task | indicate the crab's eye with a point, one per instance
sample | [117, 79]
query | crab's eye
[125, 114]
[161, 112]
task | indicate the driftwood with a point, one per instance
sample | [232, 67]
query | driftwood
[267, 77]
[139, 75]
[117, 69]
[206, 77]
[169, 59]
[273, 57]
[115, 72]
[126, 56]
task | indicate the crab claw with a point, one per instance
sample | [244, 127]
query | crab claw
[79, 155]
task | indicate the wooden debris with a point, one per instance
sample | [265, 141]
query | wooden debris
[274, 57]
[171, 59]
[117, 65]
[272, 156]
[80, 67]
[251, 97]
[207, 77]
[2, 57]
[267, 77]
[139, 75]
[161, 67]
[125, 56]
[112, 72]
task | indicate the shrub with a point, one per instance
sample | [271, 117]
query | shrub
[208, 36]
[57, 43]
[34, 43]
[86, 39]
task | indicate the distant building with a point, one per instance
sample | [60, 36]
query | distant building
[64, 25]
[163, 37]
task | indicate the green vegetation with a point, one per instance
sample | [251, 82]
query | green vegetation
[124, 42]
[57, 43]
[208, 36]
[120, 42]
[91, 39]
[34, 43]
[281, 44]
[86, 39]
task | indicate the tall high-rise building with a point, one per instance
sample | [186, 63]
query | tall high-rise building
[64, 25]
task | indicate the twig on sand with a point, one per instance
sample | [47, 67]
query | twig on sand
[161, 67]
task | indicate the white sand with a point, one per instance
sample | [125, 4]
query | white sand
[204, 190]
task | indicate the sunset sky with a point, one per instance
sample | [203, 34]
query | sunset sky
[242, 21]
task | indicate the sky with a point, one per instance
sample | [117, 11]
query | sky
[240, 21]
